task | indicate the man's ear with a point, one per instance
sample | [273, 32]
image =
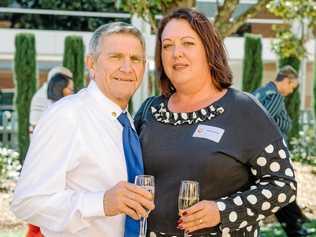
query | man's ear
[89, 61]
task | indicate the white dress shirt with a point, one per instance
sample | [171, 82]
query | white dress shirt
[76, 154]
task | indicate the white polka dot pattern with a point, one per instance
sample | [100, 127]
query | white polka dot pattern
[233, 216]
[274, 166]
[263, 183]
[269, 149]
[292, 199]
[274, 187]
[237, 200]
[275, 209]
[252, 199]
[289, 172]
[280, 184]
[260, 217]
[281, 197]
[221, 206]
[243, 224]
[282, 154]
[267, 193]
[249, 212]
[226, 230]
[249, 228]
[265, 206]
[253, 187]
[261, 161]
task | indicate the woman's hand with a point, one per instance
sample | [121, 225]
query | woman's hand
[204, 214]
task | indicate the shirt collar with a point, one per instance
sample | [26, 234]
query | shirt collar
[107, 105]
[273, 86]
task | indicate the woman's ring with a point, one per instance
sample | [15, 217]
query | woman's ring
[200, 221]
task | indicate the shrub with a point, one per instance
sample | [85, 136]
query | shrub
[9, 169]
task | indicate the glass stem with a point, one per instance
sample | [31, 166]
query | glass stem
[143, 227]
[186, 235]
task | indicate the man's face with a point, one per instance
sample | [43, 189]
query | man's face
[289, 85]
[118, 69]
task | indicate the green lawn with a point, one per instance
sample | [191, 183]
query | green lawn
[276, 230]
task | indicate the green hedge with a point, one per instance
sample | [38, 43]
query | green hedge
[252, 63]
[74, 59]
[25, 79]
[315, 87]
[293, 101]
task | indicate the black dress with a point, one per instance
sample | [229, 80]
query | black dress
[232, 148]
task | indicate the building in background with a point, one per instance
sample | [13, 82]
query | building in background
[50, 43]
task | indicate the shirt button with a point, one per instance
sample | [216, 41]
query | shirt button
[113, 114]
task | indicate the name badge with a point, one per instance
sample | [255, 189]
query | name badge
[209, 132]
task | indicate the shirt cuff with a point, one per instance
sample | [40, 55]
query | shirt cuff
[93, 205]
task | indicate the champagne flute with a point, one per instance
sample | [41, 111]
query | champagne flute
[147, 182]
[188, 196]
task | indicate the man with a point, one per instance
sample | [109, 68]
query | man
[40, 102]
[74, 178]
[271, 97]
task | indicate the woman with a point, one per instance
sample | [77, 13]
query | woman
[58, 87]
[201, 129]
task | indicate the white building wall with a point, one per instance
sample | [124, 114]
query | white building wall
[50, 48]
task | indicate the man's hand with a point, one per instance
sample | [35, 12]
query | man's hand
[129, 199]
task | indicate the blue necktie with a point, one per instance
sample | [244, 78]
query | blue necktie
[134, 164]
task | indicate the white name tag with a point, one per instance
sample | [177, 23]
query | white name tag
[209, 132]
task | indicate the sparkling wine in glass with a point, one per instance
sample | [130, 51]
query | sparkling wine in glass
[146, 182]
[188, 196]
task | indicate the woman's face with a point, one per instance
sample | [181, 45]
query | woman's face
[69, 90]
[183, 55]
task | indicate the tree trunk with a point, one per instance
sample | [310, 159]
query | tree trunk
[178, 4]
[227, 27]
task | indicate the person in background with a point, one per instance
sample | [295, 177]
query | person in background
[78, 176]
[59, 86]
[40, 101]
[271, 96]
[200, 129]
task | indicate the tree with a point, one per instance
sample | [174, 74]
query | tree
[63, 22]
[290, 47]
[225, 12]
[252, 63]
[315, 89]
[25, 79]
[149, 9]
[74, 59]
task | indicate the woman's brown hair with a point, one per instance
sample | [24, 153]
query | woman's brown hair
[213, 45]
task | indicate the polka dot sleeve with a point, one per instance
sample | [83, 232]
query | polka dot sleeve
[274, 187]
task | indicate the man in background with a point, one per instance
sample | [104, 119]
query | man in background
[271, 96]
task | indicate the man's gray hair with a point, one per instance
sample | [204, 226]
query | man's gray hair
[112, 28]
